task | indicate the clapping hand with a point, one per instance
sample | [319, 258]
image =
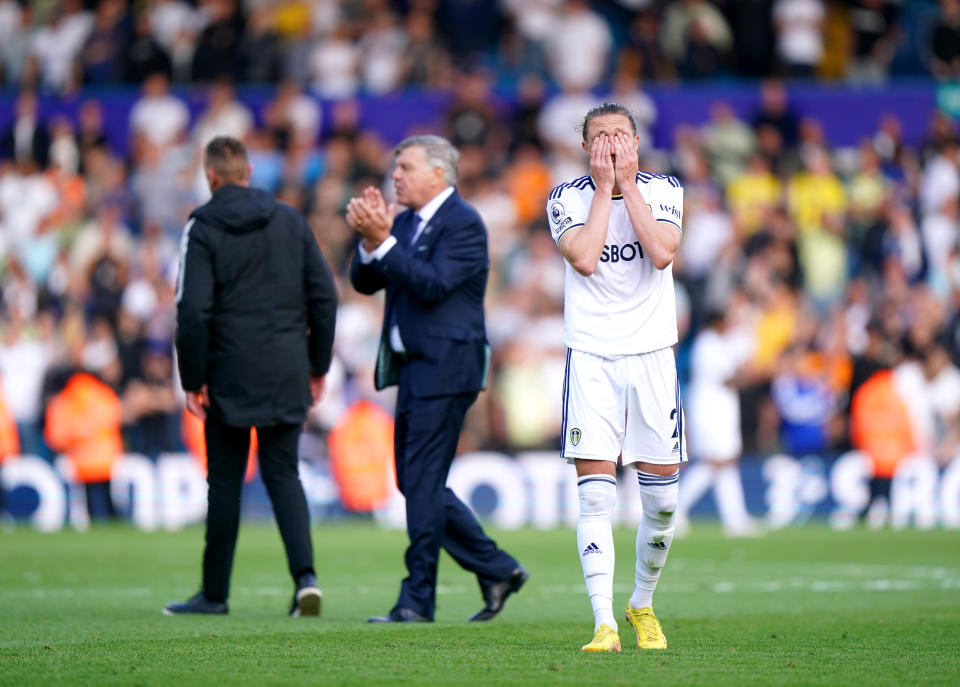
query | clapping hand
[371, 217]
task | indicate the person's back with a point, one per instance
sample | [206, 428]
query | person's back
[258, 351]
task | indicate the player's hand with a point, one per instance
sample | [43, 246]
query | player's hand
[601, 162]
[198, 402]
[626, 163]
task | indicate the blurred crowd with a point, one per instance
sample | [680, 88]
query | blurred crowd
[339, 48]
[824, 265]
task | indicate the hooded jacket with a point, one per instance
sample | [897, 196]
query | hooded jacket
[255, 308]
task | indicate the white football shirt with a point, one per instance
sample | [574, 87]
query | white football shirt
[627, 305]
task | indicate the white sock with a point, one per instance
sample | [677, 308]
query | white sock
[658, 495]
[598, 494]
[729, 492]
[697, 478]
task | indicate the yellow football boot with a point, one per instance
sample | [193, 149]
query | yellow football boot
[647, 627]
[605, 639]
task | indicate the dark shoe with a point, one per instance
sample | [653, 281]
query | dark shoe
[196, 604]
[399, 615]
[307, 597]
[496, 594]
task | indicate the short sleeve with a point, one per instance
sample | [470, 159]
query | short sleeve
[666, 201]
[565, 210]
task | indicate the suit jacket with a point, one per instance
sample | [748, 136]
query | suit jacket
[435, 292]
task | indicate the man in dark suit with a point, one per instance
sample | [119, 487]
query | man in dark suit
[255, 319]
[432, 260]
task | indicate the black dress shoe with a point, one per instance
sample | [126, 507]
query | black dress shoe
[196, 604]
[306, 597]
[399, 615]
[496, 594]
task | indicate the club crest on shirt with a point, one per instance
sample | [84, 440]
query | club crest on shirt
[575, 435]
[557, 211]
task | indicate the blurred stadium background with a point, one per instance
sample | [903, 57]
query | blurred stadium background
[816, 141]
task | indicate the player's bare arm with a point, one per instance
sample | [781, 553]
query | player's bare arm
[583, 248]
[660, 240]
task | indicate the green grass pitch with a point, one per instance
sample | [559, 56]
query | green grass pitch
[803, 606]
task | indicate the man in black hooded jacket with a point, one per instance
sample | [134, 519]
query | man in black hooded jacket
[255, 323]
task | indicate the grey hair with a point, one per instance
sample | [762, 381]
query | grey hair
[438, 151]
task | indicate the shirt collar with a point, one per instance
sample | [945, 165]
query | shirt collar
[427, 212]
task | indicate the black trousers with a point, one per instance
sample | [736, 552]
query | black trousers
[227, 450]
[425, 441]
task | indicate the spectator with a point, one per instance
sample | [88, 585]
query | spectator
[224, 116]
[697, 37]
[804, 402]
[55, 47]
[159, 118]
[469, 27]
[643, 46]
[728, 142]
[471, 117]
[939, 232]
[560, 115]
[24, 360]
[775, 112]
[943, 386]
[217, 53]
[873, 24]
[941, 177]
[868, 190]
[143, 54]
[427, 64]
[817, 202]
[27, 137]
[902, 246]
[799, 27]
[585, 66]
[173, 24]
[334, 65]
[27, 199]
[946, 41]
[9, 447]
[382, 44]
[90, 134]
[13, 40]
[102, 57]
[292, 118]
[83, 422]
[261, 54]
[750, 22]
[150, 408]
[752, 195]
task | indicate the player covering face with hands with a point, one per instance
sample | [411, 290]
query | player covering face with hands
[619, 230]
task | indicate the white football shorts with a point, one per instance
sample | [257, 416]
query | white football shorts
[628, 405]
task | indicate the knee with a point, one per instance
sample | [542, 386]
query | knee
[597, 499]
[660, 506]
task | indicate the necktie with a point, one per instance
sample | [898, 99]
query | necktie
[413, 230]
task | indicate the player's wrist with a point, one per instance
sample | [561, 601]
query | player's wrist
[630, 190]
[604, 185]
